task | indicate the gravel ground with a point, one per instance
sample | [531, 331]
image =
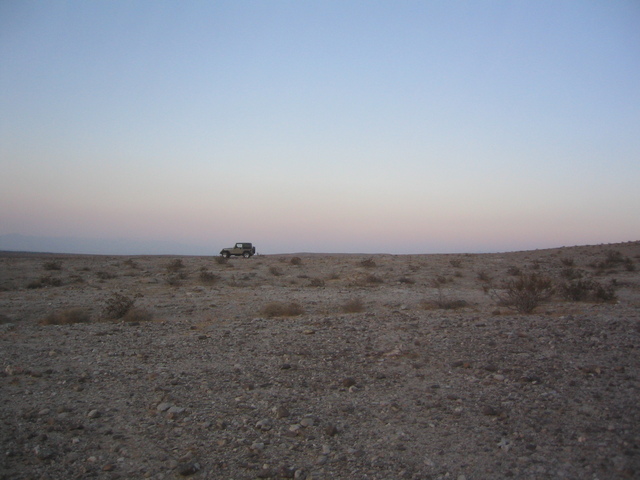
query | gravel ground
[202, 383]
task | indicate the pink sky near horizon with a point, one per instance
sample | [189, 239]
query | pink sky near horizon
[417, 127]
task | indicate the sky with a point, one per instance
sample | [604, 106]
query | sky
[397, 127]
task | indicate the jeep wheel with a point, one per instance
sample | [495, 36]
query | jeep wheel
[246, 254]
[226, 254]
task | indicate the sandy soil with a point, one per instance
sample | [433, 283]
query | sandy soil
[384, 367]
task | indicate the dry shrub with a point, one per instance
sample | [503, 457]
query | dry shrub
[443, 303]
[67, 317]
[136, 314]
[567, 262]
[275, 271]
[484, 277]
[4, 319]
[316, 282]
[524, 293]
[406, 280]
[45, 281]
[281, 309]
[455, 263]
[295, 261]
[105, 275]
[175, 265]
[117, 306]
[585, 290]
[221, 260]
[373, 279]
[368, 263]
[131, 263]
[353, 305]
[208, 278]
[52, 265]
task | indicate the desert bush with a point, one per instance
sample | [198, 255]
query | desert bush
[456, 263]
[45, 281]
[208, 278]
[570, 273]
[295, 261]
[316, 282]
[370, 279]
[136, 314]
[105, 275]
[117, 306]
[4, 319]
[175, 265]
[514, 271]
[524, 293]
[281, 309]
[444, 303]
[368, 263]
[275, 271]
[587, 290]
[483, 276]
[67, 317]
[353, 305]
[221, 260]
[567, 262]
[406, 280]
[131, 263]
[52, 265]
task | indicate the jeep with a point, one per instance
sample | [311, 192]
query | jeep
[245, 249]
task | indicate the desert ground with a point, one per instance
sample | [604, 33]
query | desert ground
[313, 366]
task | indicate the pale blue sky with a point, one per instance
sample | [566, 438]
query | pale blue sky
[326, 126]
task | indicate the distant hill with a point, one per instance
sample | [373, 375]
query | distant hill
[96, 246]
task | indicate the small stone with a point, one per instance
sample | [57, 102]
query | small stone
[108, 467]
[173, 410]
[264, 424]
[307, 422]
[43, 453]
[93, 414]
[164, 406]
[281, 412]
[187, 469]
[286, 472]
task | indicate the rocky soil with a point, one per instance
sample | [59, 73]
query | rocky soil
[388, 367]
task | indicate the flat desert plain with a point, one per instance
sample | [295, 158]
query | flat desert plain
[315, 366]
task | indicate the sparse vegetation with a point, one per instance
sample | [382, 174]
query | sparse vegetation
[316, 282]
[567, 261]
[175, 265]
[275, 271]
[524, 293]
[117, 306]
[208, 278]
[52, 265]
[353, 305]
[587, 289]
[67, 317]
[105, 275]
[368, 263]
[221, 260]
[136, 314]
[131, 263]
[282, 309]
[45, 281]
[295, 261]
